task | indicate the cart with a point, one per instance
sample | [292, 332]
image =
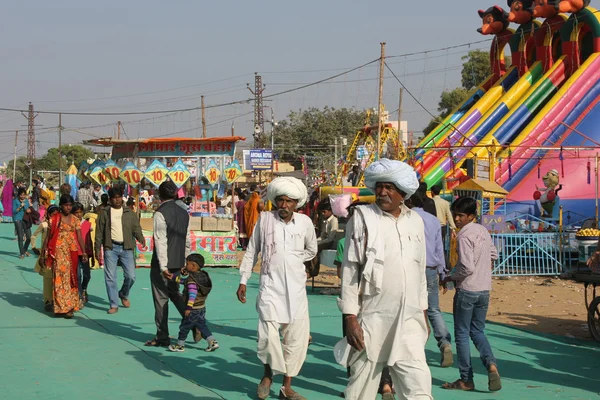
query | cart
[591, 280]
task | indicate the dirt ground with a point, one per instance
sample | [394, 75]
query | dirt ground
[541, 304]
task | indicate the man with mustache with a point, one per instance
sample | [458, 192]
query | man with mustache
[286, 240]
[384, 288]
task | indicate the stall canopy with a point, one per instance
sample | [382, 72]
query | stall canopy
[169, 147]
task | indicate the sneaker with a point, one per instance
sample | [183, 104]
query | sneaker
[176, 348]
[212, 346]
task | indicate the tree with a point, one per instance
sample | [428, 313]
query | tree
[475, 69]
[312, 133]
[49, 162]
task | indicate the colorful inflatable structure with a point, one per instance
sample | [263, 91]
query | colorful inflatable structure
[541, 114]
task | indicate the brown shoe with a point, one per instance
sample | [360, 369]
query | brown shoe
[112, 310]
[126, 303]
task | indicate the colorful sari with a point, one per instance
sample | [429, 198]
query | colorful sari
[7, 199]
[251, 213]
[63, 258]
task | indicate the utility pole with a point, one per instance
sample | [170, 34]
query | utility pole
[60, 128]
[380, 105]
[233, 128]
[272, 143]
[30, 133]
[15, 159]
[203, 117]
[335, 160]
[400, 122]
[259, 120]
[118, 130]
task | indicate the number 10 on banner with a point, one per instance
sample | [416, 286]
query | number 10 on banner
[131, 175]
[179, 174]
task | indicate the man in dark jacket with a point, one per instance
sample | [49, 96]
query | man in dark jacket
[171, 247]
[116, 230]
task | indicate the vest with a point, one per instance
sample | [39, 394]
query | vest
[177, 220]
[202, 280]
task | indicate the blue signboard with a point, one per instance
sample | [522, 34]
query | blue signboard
[260, 159]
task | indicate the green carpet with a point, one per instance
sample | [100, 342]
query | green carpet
[100, 356]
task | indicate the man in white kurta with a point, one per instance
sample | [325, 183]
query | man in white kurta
[285, 240]
[384, 288]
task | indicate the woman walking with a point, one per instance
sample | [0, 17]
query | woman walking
[61, 253]
[21, 206]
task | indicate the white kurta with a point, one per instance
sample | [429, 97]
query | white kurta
[392, 319]
[282, 288]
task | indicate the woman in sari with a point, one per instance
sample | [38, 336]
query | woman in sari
[61, 254]
[252, 211]
[7, 201]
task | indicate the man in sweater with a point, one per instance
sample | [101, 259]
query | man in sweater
[171, 247]
[117, 229]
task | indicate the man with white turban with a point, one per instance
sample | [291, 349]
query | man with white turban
[384, 289]
[285, 240]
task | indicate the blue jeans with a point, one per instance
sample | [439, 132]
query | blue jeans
[196, 319]
[84, 275]
[470, 310]
[438, 325]
[21, 231]
[111, 258]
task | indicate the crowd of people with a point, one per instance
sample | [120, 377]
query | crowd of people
[391, 261]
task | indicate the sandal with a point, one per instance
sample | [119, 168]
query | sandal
[494, 383]
[294, 396]
[263, 391]
[68, 315]
[154, 342]
[459, 385]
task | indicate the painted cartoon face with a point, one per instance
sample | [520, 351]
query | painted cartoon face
[572, 6]
[545, 8]
[551, 179]
[494, 21]
[521, 11]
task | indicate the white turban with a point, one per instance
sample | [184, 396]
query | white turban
[402, 175]
[287, 186]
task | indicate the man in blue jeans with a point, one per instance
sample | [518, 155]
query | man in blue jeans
[473, 277]
[116, 230]
[434, 273]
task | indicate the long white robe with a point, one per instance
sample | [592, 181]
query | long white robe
[391, 314]
[282, 287]
[282, 303]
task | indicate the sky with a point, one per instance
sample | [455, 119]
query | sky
[134, 56]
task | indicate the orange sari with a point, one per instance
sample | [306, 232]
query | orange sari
[251, 213]
[63, 259]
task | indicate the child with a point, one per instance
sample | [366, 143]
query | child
[473, 279]
[40, 268]
[83, 272]
[197, 285]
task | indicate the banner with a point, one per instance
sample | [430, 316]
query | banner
[179, 174]
[217, 248]
[233, 171]
[112, 170]
[131, 175]
[156, 173]
[212, 172]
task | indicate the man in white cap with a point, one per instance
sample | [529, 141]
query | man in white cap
[384, 288]
[285, 240]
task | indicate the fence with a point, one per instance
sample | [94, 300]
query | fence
[534, 253]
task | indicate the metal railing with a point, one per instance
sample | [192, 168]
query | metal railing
[528, 254]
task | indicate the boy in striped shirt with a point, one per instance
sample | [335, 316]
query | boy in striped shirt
[197, 286]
